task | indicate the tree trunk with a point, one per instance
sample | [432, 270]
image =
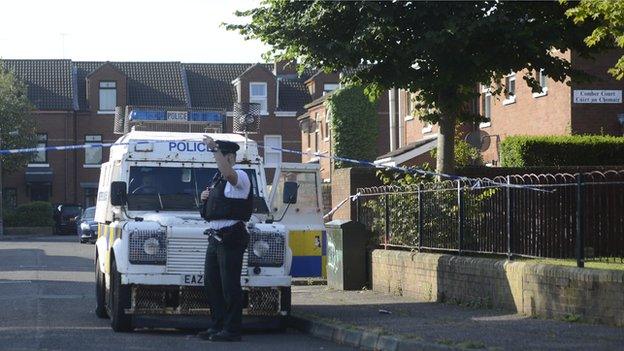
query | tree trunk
[445, 162]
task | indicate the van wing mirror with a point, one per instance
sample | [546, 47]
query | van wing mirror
[118, 194]
[290, 192]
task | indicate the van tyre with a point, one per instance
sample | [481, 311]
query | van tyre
[100, 292]
[285, 303]
[120, 300]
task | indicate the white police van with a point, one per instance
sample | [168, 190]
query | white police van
[150, 251]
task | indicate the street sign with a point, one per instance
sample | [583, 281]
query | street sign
[597, 96]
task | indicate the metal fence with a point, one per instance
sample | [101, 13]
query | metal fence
[552, 216]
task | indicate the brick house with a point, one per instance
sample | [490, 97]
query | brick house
[554, 111]
[75, 103]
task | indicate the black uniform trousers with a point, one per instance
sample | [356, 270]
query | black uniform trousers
[224, 260]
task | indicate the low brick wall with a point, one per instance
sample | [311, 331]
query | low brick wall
[534, 289]
[28, 230]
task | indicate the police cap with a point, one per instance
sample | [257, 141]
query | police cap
[227, 147]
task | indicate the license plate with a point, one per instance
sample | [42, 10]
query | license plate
[193, 279]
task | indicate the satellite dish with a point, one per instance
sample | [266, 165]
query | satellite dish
[246, 118]
[479, 139]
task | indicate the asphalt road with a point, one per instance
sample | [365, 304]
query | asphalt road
[47, 302]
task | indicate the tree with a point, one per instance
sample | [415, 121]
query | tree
[17, 126]
[610, 27]
[442, 50]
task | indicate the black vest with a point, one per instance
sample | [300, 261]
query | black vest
[217, 206]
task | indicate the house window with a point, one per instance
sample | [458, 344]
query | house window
[409, 106]
[329, 87]
[258, 95]
[317, 132]
[9, 198]
[40, 192]
[486, 107]
[543, 82]
[108, 96]
[309, 138]
[311, 88]
[510, 89]
[93, 155]
[272, 157]
[41, 156]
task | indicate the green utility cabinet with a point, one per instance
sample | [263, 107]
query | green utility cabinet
[346, 255]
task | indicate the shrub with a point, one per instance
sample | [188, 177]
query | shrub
[353, 124]
[571, 150]
[34, 214]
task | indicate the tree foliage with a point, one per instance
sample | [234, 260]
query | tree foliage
[609, 18]
[353, 124]
[17, 126]
[442, 50]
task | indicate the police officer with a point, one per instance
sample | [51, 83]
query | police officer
[227, 204]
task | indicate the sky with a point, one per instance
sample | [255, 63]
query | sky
[130, 30]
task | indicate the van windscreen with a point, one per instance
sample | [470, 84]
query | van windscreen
[176, 188]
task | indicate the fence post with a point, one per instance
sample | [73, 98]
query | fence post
[509, 220]
[358, 209]
[420, 217]
[387, 214]
[580, 244]
[460, 218]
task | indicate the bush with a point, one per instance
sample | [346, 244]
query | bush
[571, 150]
[34, 214]
[353, 125]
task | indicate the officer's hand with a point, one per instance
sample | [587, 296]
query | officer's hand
[204, 194]
[210, 143]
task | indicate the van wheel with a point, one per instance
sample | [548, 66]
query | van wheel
[120, 296]
[100, 289]
[285, 303]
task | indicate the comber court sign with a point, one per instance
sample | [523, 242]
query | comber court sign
[597, 96]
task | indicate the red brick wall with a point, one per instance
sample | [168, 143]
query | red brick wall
[597, 118]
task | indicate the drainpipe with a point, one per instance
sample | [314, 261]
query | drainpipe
[400, 120]
[392, 99]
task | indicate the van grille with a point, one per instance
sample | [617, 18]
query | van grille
[187, 256]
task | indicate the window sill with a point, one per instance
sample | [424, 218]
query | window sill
[408, 118]
[106, 112]
[426, 130]
[92, 166]
[543, 93]
[509, 101]
[485, 125]
[38, 165]
[326, 140]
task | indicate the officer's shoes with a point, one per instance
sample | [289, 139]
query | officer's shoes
[206, 334]
[225, 336]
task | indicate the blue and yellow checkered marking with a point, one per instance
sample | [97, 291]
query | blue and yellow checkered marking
[110, 234]
[309, 249]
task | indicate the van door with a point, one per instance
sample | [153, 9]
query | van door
[303, 219]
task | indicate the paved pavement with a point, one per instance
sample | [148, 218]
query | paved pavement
[450, 325]
[47, 300]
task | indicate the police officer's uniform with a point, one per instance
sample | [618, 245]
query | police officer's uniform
[226, 210]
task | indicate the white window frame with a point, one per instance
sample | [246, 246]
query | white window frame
[317, 133]
[269, 151]
[261, 99]
[510, 98]
[487, 94]
[42, 141]
[409, 113]
[427, 127]
[105, 88]
[91, 139]
[325, 90]
[540, 76]
[326, 124]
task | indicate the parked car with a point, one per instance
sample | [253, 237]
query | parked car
[65, 218]
[86, 227]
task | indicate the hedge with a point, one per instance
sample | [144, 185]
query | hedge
[34, 214]
[353, 125]
[572, 150]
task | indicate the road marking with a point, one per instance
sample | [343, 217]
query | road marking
[15, 281]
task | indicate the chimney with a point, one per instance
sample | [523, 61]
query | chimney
[284, 68]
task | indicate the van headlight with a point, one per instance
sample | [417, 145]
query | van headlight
[84, 226]
[266, 249]
[148, 247]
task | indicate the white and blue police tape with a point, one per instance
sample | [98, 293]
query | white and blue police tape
[476, 182]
